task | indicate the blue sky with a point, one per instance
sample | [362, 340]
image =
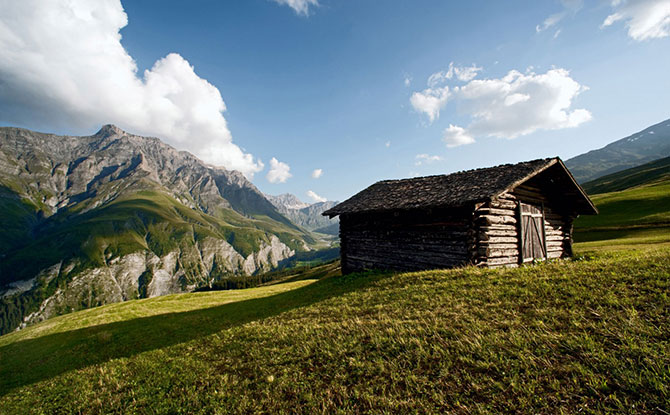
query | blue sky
[345, 86]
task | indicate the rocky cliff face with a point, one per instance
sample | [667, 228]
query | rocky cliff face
[286, 201]
[115, 216]
[143, 274]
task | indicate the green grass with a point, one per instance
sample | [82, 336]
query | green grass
[623, 239]
[658, 170]
[587, 336]
[142, 220]
[629, 218]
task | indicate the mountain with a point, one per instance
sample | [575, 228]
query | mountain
[114, 216]
[306, 215]
[647, 145]
[286, 201]
[655, 171]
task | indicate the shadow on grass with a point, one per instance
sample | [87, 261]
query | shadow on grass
[33, 360]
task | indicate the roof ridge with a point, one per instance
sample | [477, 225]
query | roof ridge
[546, 159]
[445, 190]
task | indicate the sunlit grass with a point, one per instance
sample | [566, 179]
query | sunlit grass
[586, 336]
[175, 303]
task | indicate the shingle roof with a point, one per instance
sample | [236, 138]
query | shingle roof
[451, 190]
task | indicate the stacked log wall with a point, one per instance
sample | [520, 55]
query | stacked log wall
[405, 240]
[496, 225]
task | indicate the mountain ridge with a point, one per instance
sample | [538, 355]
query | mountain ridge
[112, 216]
[649, 144]
[306, 215]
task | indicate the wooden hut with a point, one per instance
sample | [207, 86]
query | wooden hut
[499, 216]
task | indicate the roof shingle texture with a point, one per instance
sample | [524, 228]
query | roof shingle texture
[450, 190]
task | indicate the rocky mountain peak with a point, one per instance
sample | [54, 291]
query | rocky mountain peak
[304, 214]
[286, 201]
[108, 130]
[116, 216]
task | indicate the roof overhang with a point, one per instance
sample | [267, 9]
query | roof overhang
[591, 208]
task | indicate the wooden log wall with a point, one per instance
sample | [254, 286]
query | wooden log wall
[498, 227]
[405, 240]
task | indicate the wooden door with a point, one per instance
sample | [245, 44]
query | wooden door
[533, 240]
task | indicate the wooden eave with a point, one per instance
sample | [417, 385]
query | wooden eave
[555, 161]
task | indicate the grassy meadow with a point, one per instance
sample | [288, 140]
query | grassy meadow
[588, 335]
[629, 218]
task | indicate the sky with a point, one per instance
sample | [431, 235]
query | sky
[321, 98]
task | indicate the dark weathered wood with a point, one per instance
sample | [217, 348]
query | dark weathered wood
[486, 233]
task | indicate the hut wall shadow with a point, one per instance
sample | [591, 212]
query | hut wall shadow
[28, 361]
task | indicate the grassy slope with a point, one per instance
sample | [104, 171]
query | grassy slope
[636, 215]
[146, 220]
[658, 170]
[587, 336]
[143, 220]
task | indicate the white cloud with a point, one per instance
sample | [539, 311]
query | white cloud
[462, 73]
[63, 64]
[316, 198]
[645, 19]
[519, 104]
[455, 136]
[426, 159]
[550, 21]
[387, 144]
[515, 105]
[279, 171]
[301, 7]
[317, 173]
[430, 101]
[569, 7]
[408, 81]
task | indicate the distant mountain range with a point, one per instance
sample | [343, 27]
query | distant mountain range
[306, 215]
[650, 144]
[114, 216]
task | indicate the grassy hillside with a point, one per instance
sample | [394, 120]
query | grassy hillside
[142, 221]
[655, 171]
[585, 336]
[634, 215]
[637, 149]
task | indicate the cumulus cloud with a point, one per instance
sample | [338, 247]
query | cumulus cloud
[426, 159]
[516, 104]
[645, 19]
[455, 136]
[430, 101]
[301, 7]
[520, 104]
[316, 198]
[317, 173]
[63, 64]
[279, 171]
